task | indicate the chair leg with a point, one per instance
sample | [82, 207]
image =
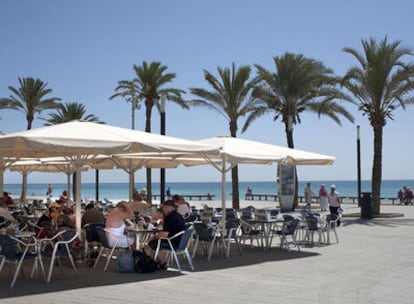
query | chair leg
[195, 246]
[16, 273]
[72, 261]
[295, 242]
[52, 262]
[2, 263]
[177, 261]
[109, 258]
[98, 257]
[211, 248]
[189, 259]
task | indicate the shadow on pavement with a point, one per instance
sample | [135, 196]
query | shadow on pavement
[386, 222]
[90, 277]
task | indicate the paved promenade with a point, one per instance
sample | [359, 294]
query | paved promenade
[373, 263]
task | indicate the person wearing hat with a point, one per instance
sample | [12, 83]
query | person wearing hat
[334, 202]
[173, 223]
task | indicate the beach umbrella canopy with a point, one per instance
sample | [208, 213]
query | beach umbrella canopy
[78, 140]
[234, 151]
[54, 164]
[238, 151]
[82, 137]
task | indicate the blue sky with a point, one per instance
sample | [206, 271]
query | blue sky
[83, 48]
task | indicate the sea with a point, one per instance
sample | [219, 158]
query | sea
[118, 191]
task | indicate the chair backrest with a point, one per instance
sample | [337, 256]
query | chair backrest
[185, 239]
[191, 218]
[274, 212]
[8, 248]
[246, 228]
[92, 233]
[287, 218]
[205, 232]
[289, 226]
[69, 237]
[246, 215]
[249, 208]
[331, 218]
[231, 215]
[231, 228]
[102, 237]
[312, 222]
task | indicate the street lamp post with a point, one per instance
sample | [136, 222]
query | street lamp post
[162, 131]
[358, 167]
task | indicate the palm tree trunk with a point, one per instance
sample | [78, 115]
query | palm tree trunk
[234, 172]
[235, 187]
[377, 170]
[289, 137]
[148, 110]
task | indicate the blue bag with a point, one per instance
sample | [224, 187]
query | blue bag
[125, 263]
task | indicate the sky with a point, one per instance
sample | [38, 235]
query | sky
[82, 48]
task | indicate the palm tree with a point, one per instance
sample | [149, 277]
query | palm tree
[70, 111]
[150, 86]
[298, 85]
[380, 84]
[127, 90]
[231, 97]
[29, 98]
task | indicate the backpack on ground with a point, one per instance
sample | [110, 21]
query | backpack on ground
[143, 262]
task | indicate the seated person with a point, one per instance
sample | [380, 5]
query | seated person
[45, 221]
[6, 216]
[64, 196]
[92, 215]
[69, 212]
[8, 200]
[63, 199]
[173, 223]
[116, 225]
[183, 207]
[157, 218]
[138, 205]
[60, 221]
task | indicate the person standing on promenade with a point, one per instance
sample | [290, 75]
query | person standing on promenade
[323, 198]
[308, 195]
[249, 193]
[334, 202]
[49, 190]
[401, 195]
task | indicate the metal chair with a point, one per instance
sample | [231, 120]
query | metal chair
[204, 234]
[288, 230]
[231, 233]
[16, 252]
[314, 226]
[106, 246]
[250, 232]
[62, 247]
[182, 248]
[90, 236]
[330, 221]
